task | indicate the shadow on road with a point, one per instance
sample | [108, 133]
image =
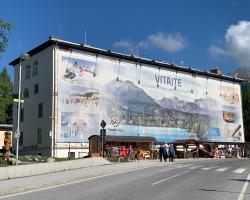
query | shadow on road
[224, 191]
[240, 179]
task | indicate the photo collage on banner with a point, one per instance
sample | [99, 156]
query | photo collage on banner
[138, 100]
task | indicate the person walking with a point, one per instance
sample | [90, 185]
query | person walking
[165, 153]
[171, 153]
[123, 152]
[161, 152]
[131, 153]
[137, 155]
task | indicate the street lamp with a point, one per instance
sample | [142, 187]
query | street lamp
[24, 56]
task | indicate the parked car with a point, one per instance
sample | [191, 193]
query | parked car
[204, 154]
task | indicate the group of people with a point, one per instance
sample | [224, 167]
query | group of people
[166, 152]
[129, 153]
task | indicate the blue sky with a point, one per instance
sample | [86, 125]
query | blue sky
[197, 34]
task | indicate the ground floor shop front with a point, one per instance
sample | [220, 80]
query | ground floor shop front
[125, 147]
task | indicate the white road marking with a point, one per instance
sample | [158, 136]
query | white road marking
[178, 165]
[239, 171]
[244, 188]
[78, 181]
[181, 166]
[170, 177]
[207, 168]
[222, 169]
[195, 167]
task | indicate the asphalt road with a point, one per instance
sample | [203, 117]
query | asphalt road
[201, 180]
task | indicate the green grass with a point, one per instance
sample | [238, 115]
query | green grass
[117, 160]
[2, 163]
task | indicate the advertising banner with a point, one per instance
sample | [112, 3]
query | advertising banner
[138, 100]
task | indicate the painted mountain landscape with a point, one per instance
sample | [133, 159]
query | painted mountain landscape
[135, 107]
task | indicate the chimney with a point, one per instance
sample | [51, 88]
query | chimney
[215, 70]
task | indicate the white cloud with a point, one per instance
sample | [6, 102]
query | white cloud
[170, 43]
[217, 52]
[124, 43]
[237, 44]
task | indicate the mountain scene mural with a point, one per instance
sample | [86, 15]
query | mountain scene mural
[201, 106]
[134, 106]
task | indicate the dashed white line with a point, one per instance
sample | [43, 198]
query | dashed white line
[244, 188]
[222, 169]
[207, 168]
[181, 166]
[239, 171]
[170, 177]
[195, 167]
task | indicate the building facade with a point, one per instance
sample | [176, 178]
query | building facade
[69, 88]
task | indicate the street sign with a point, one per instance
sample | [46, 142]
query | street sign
[103, 124]
[17, 135]
[103, 132]
[17, 100]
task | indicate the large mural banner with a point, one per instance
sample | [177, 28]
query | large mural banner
[139, 100]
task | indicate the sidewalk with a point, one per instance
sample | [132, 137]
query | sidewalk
[46, 180]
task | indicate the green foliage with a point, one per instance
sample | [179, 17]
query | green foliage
[246, 109]
[6, 87]
[4, 30]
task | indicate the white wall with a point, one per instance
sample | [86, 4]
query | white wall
[31, 121]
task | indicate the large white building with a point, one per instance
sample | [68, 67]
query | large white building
[68, 89]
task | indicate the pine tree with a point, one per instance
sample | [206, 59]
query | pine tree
[6, 87]
[246, 109]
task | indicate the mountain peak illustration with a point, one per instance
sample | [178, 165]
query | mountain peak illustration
[128, 95]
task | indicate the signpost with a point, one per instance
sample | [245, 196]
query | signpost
[17, 137]
[103, 134]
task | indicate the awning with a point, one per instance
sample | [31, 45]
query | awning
[115, 138]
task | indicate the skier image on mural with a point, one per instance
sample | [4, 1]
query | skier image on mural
[143, 101]
[74, 70]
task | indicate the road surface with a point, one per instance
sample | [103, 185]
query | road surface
[209, 179]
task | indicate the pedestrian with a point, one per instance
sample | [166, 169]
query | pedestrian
[165, 153]
[137, 155]
[130, 153]
[123, 152]
[155, 154]
[171, 153]
[161, 152]
[217, 153]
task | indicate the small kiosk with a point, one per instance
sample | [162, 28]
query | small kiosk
[141, 144]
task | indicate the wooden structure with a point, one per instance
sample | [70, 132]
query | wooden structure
[5, 141]
[141, 144]
[3, 129]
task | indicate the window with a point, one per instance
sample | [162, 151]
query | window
[35, 68]
[36, 88]
[26, 93]
[39, 135]
[40, 110]
[27, 72]
[21, 114]
[21, 138]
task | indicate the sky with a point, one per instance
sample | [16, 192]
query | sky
[197, 34]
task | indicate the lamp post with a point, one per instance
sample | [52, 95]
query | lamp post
[24, 56]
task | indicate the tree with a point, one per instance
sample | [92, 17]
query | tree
[6, 87]
[4, 31]
[246, 109]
